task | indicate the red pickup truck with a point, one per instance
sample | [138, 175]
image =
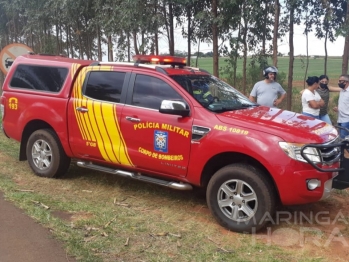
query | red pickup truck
[171, 125]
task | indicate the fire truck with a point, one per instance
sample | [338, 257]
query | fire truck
[160, 121]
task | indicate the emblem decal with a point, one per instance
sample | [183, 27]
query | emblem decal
[161, 141]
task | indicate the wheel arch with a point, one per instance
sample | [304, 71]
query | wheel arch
[31, 127]
[227, 158]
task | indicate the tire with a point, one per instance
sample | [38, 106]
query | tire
[45, 154]
[241, 198]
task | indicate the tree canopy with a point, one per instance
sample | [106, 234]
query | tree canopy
[80, 28]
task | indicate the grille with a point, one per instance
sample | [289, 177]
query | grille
[331, 152]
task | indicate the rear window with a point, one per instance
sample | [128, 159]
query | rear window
[42, 78]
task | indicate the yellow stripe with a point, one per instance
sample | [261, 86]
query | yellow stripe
[83, 117]
[100, 123]
[112, 132]
[95, 115]
[77, 91]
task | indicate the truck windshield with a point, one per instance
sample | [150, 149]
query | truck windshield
[212, 93]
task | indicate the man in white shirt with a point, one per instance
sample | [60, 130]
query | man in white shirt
[343, 105]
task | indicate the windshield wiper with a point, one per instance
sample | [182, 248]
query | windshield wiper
[224, 108]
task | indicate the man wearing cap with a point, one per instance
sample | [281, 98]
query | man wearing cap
[268, 92]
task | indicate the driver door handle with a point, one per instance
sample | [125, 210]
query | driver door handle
[82, 109]
[132, 119]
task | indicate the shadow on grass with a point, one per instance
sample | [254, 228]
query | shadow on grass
[197, 195]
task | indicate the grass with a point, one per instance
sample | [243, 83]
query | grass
[316, 66]
[95, 215]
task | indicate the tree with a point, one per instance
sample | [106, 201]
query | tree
[275, 33]
[294, 7]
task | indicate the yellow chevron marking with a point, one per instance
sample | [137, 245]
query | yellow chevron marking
[100, 122]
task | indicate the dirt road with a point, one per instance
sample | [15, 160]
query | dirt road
[22, 239]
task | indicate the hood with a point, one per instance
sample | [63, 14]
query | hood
[290, 126]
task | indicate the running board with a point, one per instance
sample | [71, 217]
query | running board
[137, 176]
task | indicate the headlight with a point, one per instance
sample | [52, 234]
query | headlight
[293, 150]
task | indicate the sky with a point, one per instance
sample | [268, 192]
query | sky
[316, 46]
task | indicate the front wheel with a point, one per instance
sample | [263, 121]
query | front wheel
[241, 198]
[45, 154]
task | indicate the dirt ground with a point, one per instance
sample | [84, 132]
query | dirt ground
[22, 239]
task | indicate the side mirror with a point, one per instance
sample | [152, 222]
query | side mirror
[172, 107]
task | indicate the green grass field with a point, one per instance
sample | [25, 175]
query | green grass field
[316, 66]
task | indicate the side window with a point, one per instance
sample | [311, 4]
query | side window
[149, 91]
[105, 85]
[41, 78]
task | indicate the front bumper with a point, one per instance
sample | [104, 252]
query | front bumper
[295, 191]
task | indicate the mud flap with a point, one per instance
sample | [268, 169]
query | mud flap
[342, 180]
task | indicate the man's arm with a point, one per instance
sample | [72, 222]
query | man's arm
[252, 99]
[253, 94]
[280, 99]
[334, 89]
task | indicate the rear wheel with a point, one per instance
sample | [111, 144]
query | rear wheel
[241, 198]
[45, 154]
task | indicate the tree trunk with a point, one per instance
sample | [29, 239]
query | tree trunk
[276, 29]
[171, 38]
[215, 38]
[197, 56]
[236, 55]
[167, 26]
[346, 45]
[264, 30]
[135, 42]
[326, 55]
[307, 50]
[81, 55]
[156, 36]
[290, 68]
[244, 65]
[71, 44]
[345, 56]
[57, 40]
[189, 35]
[128, 47]
[99, 43]
[110, 49]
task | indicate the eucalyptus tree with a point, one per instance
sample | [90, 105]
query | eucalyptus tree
[275, 31]
[344, 31]
[255, 31]
[191, 16]
[293, 17]
[13, 11]
[4, 21]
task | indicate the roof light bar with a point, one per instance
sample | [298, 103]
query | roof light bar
[162, 60]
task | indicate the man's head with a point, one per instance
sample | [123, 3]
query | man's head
[343, 81]
[200, 85]
[270, 72]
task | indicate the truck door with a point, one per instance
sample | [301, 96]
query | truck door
[156, 142]
[94, 115]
